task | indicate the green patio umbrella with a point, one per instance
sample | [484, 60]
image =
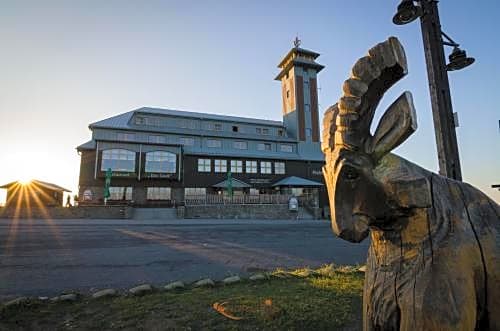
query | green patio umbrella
[229, 184]
[107, 183]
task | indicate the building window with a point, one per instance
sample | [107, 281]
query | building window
[193, 192]
[263, 147]
[236, 128]
[159, 193]
[118, 160]
[215, 126]
[120, 193]
[220, 165]
[251, 167]
[258, 130]
[204, 165]
[139, 120]
[186, 141]
[157, 140]
[308, 132]
[186, 124]
[154, 121]
[286, 148]
[213, 143]
[279, 168]
[281, 132]
[236, 166]
[265, 167]
[161, 162]
[265, 131]
[122, 136]
[240, 144]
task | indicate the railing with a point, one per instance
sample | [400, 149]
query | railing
[220, 199]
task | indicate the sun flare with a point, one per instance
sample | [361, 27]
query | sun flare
[25, 181]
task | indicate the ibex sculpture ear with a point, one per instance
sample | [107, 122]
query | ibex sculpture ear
[396, 125]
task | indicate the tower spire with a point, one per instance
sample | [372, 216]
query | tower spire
[297, 41]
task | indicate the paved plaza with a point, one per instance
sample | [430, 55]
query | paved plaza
[43, 258]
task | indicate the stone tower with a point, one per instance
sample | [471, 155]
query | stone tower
[299, 89]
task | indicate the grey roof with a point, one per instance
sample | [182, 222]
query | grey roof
[296, 181]
[35, 182]
[122, 121]
[235, 183]
[88, 145]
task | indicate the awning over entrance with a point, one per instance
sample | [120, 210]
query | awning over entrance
[294, 181]
[235, 184]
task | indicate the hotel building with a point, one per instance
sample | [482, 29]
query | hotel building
[164, 157]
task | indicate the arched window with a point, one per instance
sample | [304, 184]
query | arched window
[118, 160]
[161, 162]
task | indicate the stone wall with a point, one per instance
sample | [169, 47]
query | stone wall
[239, 212]
[102, 212]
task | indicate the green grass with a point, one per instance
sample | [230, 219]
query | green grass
[323, 300]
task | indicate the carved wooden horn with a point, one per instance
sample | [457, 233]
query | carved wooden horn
[347, 124]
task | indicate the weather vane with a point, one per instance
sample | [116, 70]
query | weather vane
[297, 42]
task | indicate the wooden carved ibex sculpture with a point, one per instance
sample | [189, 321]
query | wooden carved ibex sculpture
[434, 258]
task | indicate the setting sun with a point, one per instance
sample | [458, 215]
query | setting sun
[25, 181]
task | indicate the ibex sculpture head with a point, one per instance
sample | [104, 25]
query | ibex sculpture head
[357, 198]
[434, 256]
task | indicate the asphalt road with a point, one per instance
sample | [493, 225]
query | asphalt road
[43, 258]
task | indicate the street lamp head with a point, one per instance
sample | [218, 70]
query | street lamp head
[459, 60]
[407, 12]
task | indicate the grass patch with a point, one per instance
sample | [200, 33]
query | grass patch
[298, 300]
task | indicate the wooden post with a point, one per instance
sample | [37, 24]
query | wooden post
[442, 111]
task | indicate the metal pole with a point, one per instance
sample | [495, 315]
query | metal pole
[442, 111]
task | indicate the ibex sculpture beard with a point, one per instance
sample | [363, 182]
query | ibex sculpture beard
[434, 258]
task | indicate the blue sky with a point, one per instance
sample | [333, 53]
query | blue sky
[65, 64]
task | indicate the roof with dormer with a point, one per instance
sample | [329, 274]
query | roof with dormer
[123, 121]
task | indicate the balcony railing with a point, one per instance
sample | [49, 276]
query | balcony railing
[220, 199]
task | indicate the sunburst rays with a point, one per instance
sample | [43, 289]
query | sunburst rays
[24, 198]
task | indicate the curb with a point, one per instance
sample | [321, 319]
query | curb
[145, 289]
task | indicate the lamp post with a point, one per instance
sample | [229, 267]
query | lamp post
[437, 72]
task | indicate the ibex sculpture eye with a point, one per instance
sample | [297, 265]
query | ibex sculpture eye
[351, 173]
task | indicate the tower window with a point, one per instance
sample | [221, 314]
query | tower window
[307, 107]
[308, 132]
[288, 94]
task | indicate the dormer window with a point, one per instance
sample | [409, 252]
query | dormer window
[139, 120]
[125, 136]
[216, 126]
[281, 132]
[236, 128]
